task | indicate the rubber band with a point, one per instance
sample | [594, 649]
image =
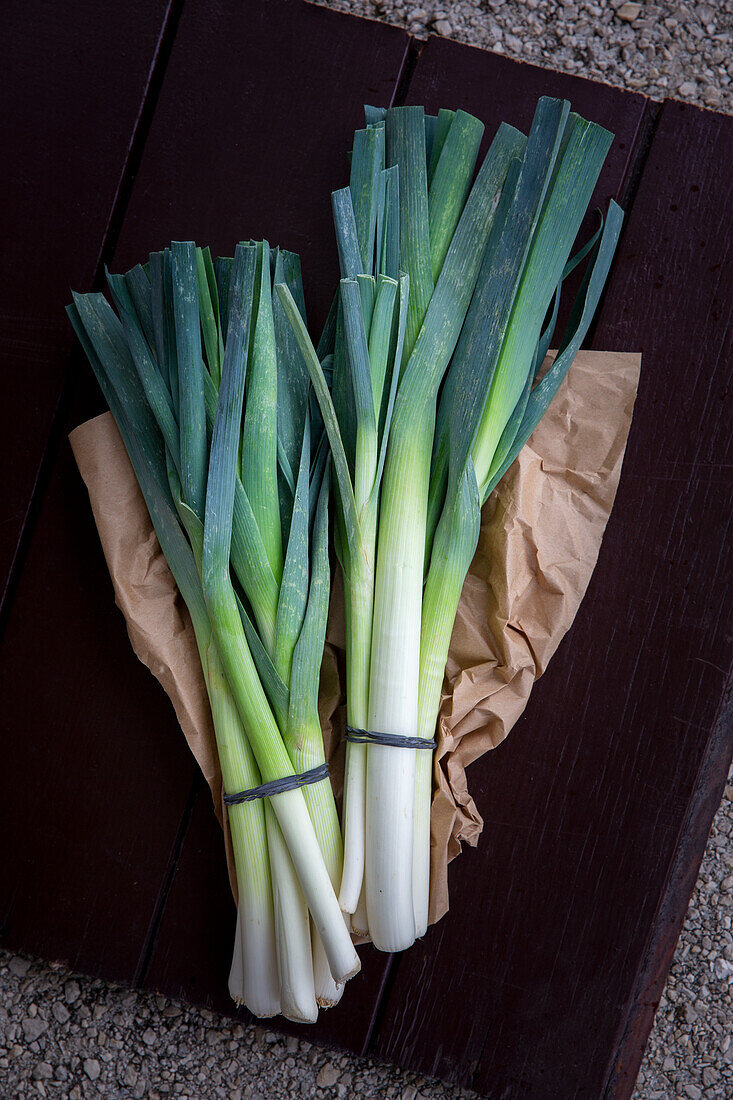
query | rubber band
[394, 740]
[278, 786]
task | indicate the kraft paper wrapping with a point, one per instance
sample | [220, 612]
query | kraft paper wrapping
[540, 536]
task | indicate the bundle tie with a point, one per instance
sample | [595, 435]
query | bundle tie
[278, 786]
[394, 740]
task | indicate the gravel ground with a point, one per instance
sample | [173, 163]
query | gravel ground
[66, 1036]
[676, 48]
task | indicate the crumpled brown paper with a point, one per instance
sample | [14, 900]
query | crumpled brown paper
[540, 536]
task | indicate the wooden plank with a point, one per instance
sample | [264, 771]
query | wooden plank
[551, 949]
[291, 79]
[74, 79]
[95, 769]
[677, 240]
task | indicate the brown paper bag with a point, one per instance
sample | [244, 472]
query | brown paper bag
[540, 536]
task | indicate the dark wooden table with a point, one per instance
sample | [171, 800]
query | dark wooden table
[128, 125]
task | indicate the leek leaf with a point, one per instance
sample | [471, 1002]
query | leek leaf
[366, 164]
[582, 315]
[451, 183]
[259, 436]
[347, 235]
[191, 406]
[330, 421]
[140, 290]
[406, 149]
[308, 652]
[156, 392]
[294, 586]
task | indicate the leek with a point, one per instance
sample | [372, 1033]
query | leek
[244, 496]
[481, 262]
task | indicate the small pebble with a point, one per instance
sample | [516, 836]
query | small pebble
[72, 992]
[19, 966]
[327, 1076]
[722, 968]
[92, 1068]
[33, 1028]
[629, 12]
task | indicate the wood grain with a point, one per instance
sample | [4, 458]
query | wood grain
[542, 965]
[678, 262]
[94, 781]
[74, 81]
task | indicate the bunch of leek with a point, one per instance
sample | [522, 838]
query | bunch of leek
[437, 336]
[238, 495]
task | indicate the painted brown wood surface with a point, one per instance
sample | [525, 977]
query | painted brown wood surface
[682, 449]
[93, 779]
[257, 154]
[74, 78]
[542, 979]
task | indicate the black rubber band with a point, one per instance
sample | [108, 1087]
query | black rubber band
[278, 786]
[394, 740]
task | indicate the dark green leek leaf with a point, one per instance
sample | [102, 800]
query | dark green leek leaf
[347, 236]
[138, 284]
[406, 150]
[581, 317]
[155, 389]
[366, 165]
[294, 586]
[209, 312]
[323, 395]
[191, 406]
[358, 354]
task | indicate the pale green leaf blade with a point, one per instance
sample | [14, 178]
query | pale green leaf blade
[451, 183]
